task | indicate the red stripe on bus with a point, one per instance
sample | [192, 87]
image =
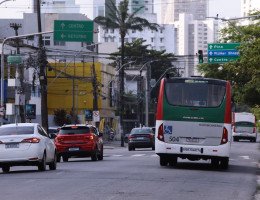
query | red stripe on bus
[159, 114]
[228, 104]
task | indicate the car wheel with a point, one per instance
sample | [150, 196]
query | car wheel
[65, 158]
[153, 148]
[94, 156]
[53, 164]
[224, 163]
[163, 161]
[42, 164]
[6, 169]
[100, 155]
[133, 148]
[58, 158]
[129, 148]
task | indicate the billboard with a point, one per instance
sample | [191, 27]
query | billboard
[30, 111]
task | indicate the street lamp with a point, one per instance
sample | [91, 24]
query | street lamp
[234, 19]
[147, 89]
[121, 97]
[5, 1]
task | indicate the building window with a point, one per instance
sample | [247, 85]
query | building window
[133, 39]
[152, 39]
[112, 31]
[112, 39]
[106, 30]
[46, 41]
[133, 31]
[106, 39]
[161, 40]
[59, 43]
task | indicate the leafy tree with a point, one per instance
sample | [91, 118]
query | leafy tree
[243, 73]
[61, 117]
[119, 18]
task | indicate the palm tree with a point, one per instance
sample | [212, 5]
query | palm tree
[119, 18]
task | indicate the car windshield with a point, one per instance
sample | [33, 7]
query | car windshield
[74, 130]
[141, 131]
[17, 130]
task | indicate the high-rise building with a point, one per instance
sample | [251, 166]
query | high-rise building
[56, 6]
[248, 6]
[191, 36]
[168, 10]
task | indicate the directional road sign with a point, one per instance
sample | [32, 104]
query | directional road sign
[222, 52]
[221, 59]
[14, 59]
[73, 31]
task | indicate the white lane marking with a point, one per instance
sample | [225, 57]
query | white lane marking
[117, 155]
[138, 155]
[245, 157]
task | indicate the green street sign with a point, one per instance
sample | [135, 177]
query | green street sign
[223, 46]
[73, 31]
[14, 59]
[222, 52]
[221, 59]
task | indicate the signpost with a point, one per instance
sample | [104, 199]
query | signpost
[222, 52]
[73, 31]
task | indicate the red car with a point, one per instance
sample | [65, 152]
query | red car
[79, 141]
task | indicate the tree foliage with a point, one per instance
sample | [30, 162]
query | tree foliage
[243, 73]
[61, 117]
[141, 54]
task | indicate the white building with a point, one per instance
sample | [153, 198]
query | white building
[248, 6]
[168, 10]
[163, 39]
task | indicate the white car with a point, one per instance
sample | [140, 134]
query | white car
[25, 144]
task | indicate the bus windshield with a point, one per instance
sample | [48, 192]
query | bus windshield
[194, 93]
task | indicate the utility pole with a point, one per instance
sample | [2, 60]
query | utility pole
[95, 88]
[20, 74]
[42, 75]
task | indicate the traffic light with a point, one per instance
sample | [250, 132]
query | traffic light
[200, 52]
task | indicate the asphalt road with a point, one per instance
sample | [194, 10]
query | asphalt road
[136, 175]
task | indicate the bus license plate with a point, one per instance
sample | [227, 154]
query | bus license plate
[12, 145]
[191, 149]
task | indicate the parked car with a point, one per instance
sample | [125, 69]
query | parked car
[53, 130]
[79, 140]
[141, 138]
[26, 144]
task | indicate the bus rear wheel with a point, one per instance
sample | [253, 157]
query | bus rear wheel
[224, 162]
[173, 161]
[163, 161]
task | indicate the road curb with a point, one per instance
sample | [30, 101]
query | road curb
[257, 194]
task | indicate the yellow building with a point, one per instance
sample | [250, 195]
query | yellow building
[70, 88]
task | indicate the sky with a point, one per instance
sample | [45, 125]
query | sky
[224, 8]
